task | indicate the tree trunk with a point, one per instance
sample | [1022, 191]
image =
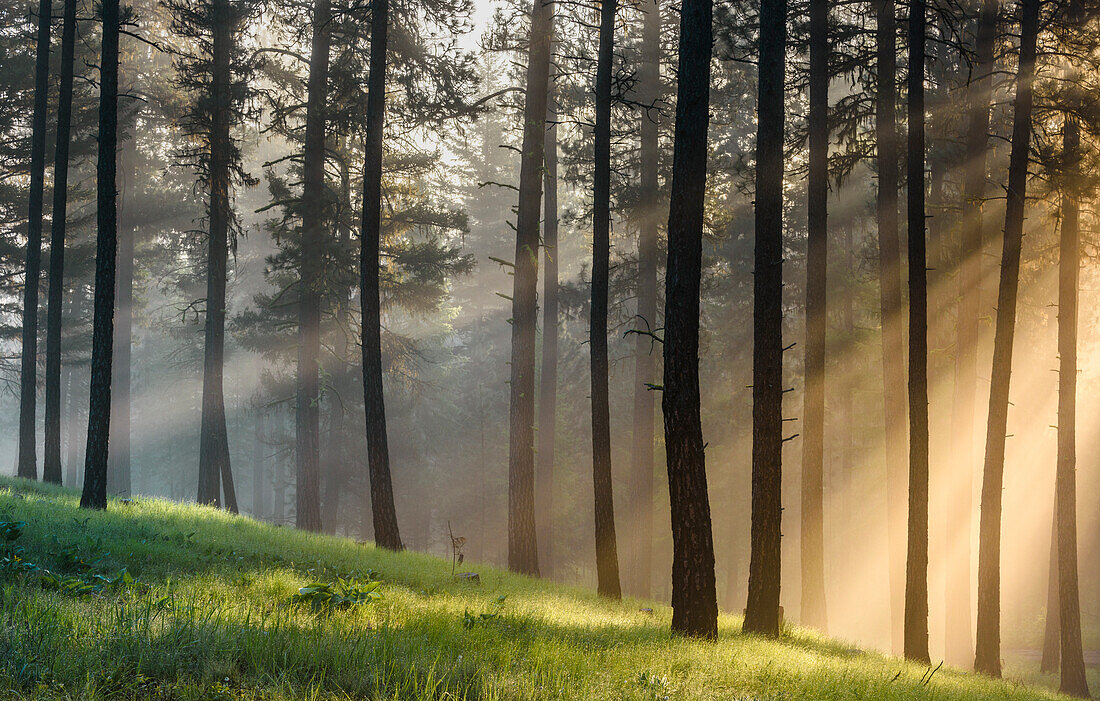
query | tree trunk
[893, 334]
[118, 452]
[1052, 634]
[307, 409]
[51, 466]
[645, 371]
[214, 461]
[765, 561]
[959, 648]
[958, 635]
[548, 378]
[278, 464]
[336, 455]
[916, 560]
[1073, 680]
[72, 433]
[378, 452]
[607, 558]
[813, 441]
[27, 464]
[694, 600]
[988, 647]
[522, 539]
[259, 470]
[94, 495]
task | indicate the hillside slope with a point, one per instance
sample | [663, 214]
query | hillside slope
[204, 611]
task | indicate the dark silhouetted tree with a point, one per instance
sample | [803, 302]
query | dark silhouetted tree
[987, 653]
[762, 612]
[694, 600]
[27, 465]
[916, 569]
[94, 495]
[378, 454]
[51, 461]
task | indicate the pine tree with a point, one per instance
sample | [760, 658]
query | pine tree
[988, 644]
[51, 465]
[307, 411]
[916, 575]
[94, 495]
[762, 613]
[813, 440]
[649, 85]
[386, 533]
[694, 600]
[522, 538]
[607, 559]
[27, 465]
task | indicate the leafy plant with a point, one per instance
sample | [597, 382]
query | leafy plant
[470, 620]
[343, 593]
[11, 530]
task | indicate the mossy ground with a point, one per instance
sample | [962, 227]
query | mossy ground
[209, 617]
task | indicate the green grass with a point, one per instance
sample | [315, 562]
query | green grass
[209, 616]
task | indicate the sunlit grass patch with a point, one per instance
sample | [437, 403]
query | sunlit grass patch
[213, 615]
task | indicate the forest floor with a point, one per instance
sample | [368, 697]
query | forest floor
[157, 600]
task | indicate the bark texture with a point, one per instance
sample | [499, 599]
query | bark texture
[214, 460]
[916, 560]
[694, 600]
[94, 495]
[645, 361]
[1073, 679]
[383, 512]
[51, 465]
[765, 561]
[607, 558]
[522, 539]
[27, 460]
[548, 377]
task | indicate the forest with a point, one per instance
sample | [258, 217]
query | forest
[517, 349]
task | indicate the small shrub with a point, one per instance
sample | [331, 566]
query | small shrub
[343, 593]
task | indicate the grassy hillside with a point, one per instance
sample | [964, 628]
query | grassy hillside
[204, 610]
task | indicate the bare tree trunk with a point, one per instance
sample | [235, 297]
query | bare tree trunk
[765, 560]
[548, 378]
[118, 452]
[916, 561]
[893, 334]
[27, 461]
[1073, 679]
[51, 466]
[94, 495]
[812, 540]
[522, 539]
[74, 433]
[694, 599]
[307, 411]
[607, 558]
[214, 461]
[378, 452]
[259, 470]
[988, 647]
[1052, 634]
[958, 636]
[645, 370]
